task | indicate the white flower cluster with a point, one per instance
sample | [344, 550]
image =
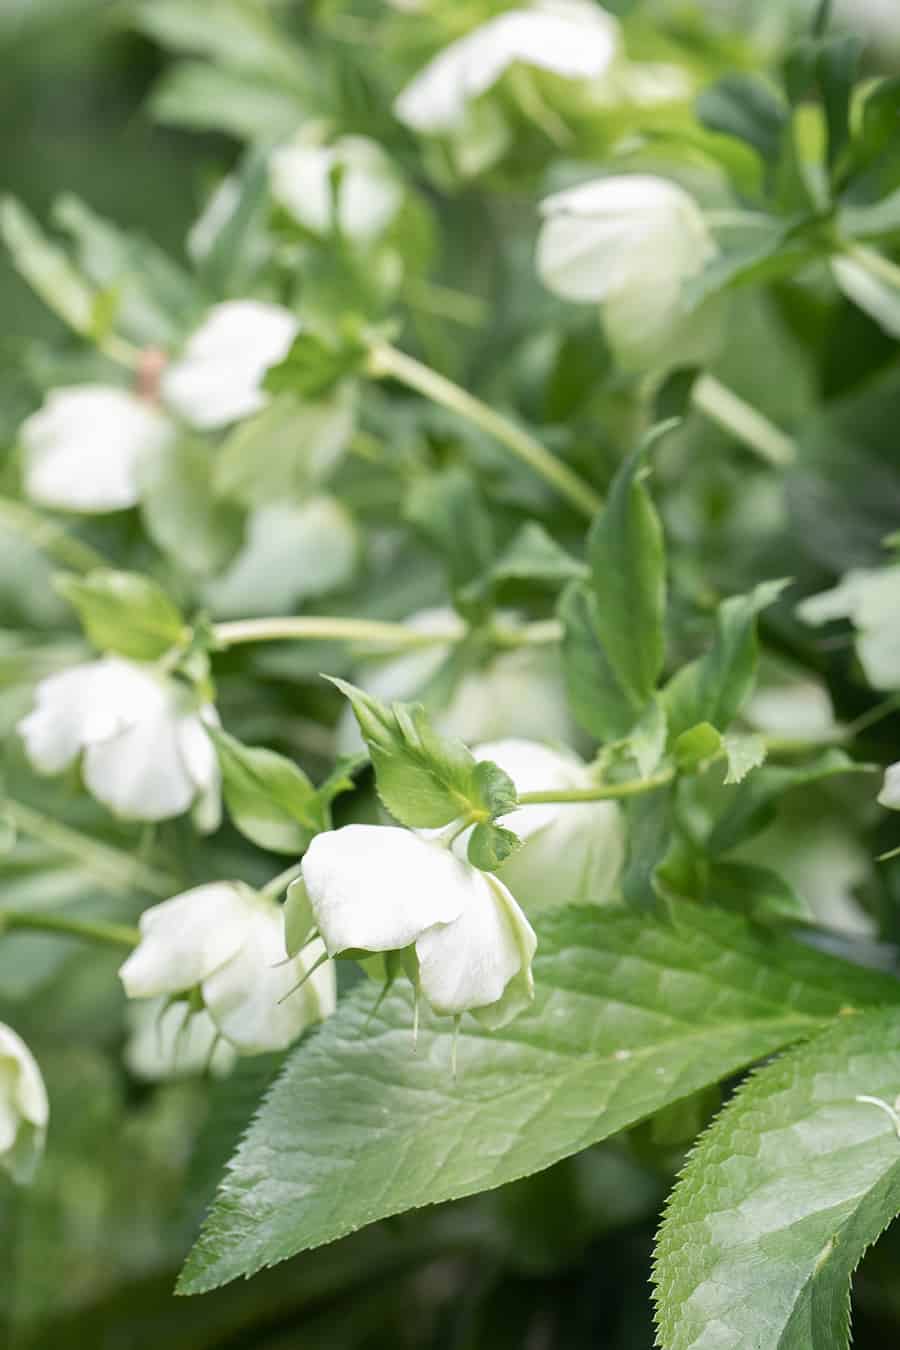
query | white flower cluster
[87, 449]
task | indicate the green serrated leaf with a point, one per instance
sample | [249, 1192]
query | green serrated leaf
[627, 557]
[630, 1015]
[425, 779]
[751, 807]
[270, 798]
[124, 612]
[491, 845]
[785, 1192]
[713, 688]
[743, 754]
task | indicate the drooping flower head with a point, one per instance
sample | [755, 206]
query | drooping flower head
[145, 752]
[227, 942]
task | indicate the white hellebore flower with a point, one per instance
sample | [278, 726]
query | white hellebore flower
[293, 550]
[24, 1109]
[631, 243]
[570, 38]
[369, 194]
[85, 448]
[145, 750]
[219, 375]
[518, 693]
[171, 1040]
[376, 888]
[870, 599]
[228, 941]
[572, 852]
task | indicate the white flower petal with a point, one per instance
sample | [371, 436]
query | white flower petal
[24, 1109]
[85, 447]
[187, 938]
[253, 998]
[376, 888]
[468, 964]
[218, 378]
[292, 551]
[72, 708]
[890, 792]
[369, 192]
[571, 38]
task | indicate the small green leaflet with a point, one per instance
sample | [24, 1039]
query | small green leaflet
[631, 1014]
[270, 798]
[124, 612]
[425, 779]
[783, 1195]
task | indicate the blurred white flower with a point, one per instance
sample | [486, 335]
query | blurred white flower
[376, 888]
[890, 792]
[293, 550]
[172, 1040]
[84, 449]
[572, 853]
[870, 599]
[631, 243]
[307, 180]
[24, 1109]
[518, 693]
[792, 705]
[145, 751]
[228, 941]
[219, 375]
[570, 38]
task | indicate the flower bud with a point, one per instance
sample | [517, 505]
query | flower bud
[376, 888]
[85, 449]
[145, 752]
[24, 1109]
[227, 941]
[630, 243]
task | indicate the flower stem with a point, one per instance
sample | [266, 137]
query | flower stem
[325, 628]
[724, 407]
[90, 930]
[49, 536]
[280, 883]
[603, 792]
[112, 867]
[386, 362]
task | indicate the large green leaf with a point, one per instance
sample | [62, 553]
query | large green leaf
[781, 1198]
[631, 1014]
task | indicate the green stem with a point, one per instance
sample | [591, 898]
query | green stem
[603, 792]
[386, 362]
[49, 536]
[722, 406]
[280, 883]
[876, 263]
[324, 628]
[90, 930]
[112, 867]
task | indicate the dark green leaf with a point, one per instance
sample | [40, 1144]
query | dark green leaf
[628, 570]
[596, 697]
[631, 1014]
[746, 107]
[450, 510]
[788, 1188]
